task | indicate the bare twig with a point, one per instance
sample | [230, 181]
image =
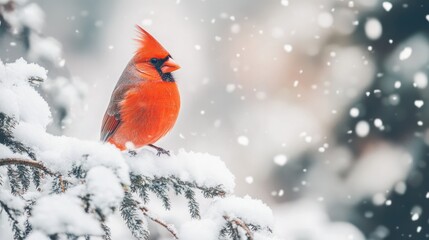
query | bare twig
[25, 162]
[63, 187]
[168, 227]
[241, 224]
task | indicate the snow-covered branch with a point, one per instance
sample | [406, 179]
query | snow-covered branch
[56, 187]
[21, 30]
[169, 227]
[25, 162]
[233, 222]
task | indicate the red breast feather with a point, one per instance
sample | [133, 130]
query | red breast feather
[148, 113]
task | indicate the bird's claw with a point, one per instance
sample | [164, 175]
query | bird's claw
[160, 150]
[132, 153]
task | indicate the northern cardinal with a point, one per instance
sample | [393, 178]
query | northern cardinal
[145, 102]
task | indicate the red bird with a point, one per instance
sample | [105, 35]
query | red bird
[145, 102]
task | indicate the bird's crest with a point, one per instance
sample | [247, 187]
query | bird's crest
[148, 47]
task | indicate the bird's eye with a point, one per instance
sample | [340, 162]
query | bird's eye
[154, 61]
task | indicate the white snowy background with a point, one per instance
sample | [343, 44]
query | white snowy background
[275, 88]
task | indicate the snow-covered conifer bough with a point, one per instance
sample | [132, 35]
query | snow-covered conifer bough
[58, 187]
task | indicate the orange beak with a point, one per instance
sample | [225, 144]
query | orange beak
[169, 66]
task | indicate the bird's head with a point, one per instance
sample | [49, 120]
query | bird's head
[152, 60]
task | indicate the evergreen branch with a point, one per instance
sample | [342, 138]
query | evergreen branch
[25, 162]
[160, 187]
[134, 222]
[15, 185]
[193, 205]
[168, 227]
[24, 177]
[36, 177]
[208, 192]
[15, 224]
[140, 185]
[20, 162]
[7, 123]
[27, 210]
[240, 223]
[107, 234]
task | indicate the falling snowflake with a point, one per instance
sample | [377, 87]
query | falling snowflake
[280, 159]
[373, 28]
[387, 6]
[362, 128]
[243, 140]
[419, 103]
[288, 48]
[405, 53]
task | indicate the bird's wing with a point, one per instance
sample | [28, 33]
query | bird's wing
[109, 126]
[112, 117]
